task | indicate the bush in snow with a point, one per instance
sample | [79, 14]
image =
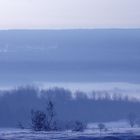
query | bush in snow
[132, 119]
[101, 127]
[79, 126]
[20, 125]
[44, 121]
[38, 119]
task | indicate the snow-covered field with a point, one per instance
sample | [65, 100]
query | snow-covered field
[115, 131]
[15, 134]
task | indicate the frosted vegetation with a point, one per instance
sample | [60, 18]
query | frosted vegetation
[16, 106]
[57, 114]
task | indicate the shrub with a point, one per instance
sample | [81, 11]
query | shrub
[132, 119]
[101, 127]
[38, 120]
[79, 126]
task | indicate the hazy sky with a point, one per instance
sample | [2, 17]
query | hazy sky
[69, 14]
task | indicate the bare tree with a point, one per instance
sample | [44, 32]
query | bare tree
[44, 121]
[50, 115]
[101, 127]
[132, 119]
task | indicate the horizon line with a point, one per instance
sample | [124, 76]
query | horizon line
[99, 28]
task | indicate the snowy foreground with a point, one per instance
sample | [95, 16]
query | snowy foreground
[92, 133]
[121, 134]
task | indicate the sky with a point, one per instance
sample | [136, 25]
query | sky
[46, 14]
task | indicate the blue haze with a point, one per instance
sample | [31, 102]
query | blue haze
[98, 55]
